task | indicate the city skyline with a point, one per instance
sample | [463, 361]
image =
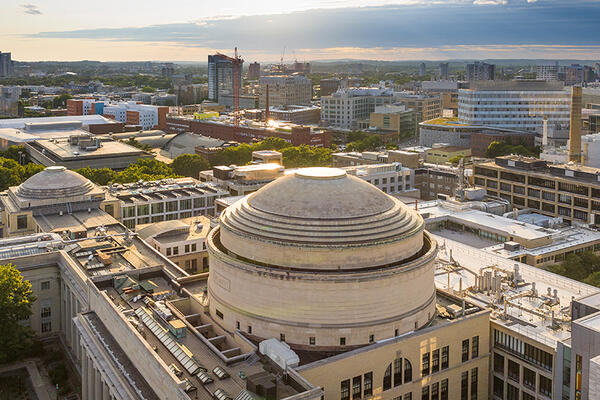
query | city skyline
[307, 29]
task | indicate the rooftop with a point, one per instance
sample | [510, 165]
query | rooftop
[63, 150]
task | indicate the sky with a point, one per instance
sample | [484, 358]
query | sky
[186, 30]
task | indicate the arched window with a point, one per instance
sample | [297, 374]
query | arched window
[407, 371]
[398, 372]
[387, 378]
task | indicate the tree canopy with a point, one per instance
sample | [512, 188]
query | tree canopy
[189, 165]
[363, 141]
[583, 267]
[16, 298]
[497, 148]
[143, 169]
[293, 156]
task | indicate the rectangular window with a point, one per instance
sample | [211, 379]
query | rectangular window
[435, 361]
[143, 209]
[46, 327]
[371, 338]
[407, 396]
[45, 285]
[444, 390]
[464, 386]
[474, 379]
[425, 393]
[282, 337]
[425, 365]
[465, 350]
[529, 378]
[312, 341]
[193, 247]
[219, 313]
[368, 384]
[237, 324]
[187, 248]
[514, 371]
[22, 222]
[345, 390]
[185, 204]
[175, 250]
[545, 387]
[356, 387]
[445, 356]
[512, 393]
[499, 363]
[475, 347]
[498, 387]
[342, 341]
[168, 251]
[157, 208]
[398, 372]
[435, 391]
[46, 312]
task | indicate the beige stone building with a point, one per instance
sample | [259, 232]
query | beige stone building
[183, 241]
[557, 190]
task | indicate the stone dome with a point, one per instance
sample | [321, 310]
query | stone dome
[317, 255]
[302, 216]
[54, 182]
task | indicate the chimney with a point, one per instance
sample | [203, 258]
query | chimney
[575, 131]
[545, 134]
[267, 105]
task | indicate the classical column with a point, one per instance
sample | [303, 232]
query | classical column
[84, 367]
[90, 378]
[98, 385]
[105, 392]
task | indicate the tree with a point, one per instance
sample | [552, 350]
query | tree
[593, 279]
[148, 89]
[456, 159]
[100, 176]
[16, 298]
[497, 149]
[61, 101]
[189, 165]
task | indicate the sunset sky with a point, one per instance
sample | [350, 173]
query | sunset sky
[185, 30]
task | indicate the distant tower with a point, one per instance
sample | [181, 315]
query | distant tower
[422, 69]
[444, 71]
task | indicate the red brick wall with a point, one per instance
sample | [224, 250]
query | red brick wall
[132, 117]
[99, 129]
[74, 107]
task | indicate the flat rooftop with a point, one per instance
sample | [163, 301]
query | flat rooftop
[62, 150]
[525, 312]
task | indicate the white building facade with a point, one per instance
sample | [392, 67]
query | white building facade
[514, 105]
[346, 106]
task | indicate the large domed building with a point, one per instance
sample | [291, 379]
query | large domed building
[52, 191]
[322, 260]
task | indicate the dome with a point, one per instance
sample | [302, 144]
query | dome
[303, 215]
[54, 182]
[317, 255]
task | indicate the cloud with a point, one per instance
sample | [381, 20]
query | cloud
[31, 9]
[443, 25]
[489, 2]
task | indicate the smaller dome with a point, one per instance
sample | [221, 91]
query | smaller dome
[54, 182]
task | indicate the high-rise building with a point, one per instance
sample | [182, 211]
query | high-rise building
[480, 71]
[285, 90]
[6, 65]
[422, 69]
[85, 107]
[444, 71]
[547, 72]
[254, 70]
[220, 76]
[519, 105]
[426, 106]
